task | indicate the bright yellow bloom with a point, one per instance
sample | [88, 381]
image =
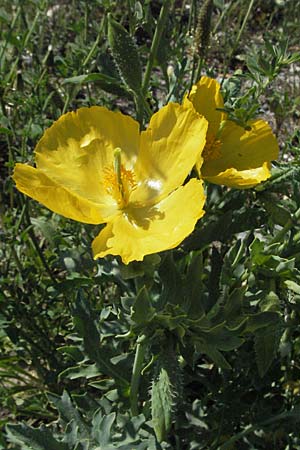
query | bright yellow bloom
[232, 156]
[95, 166]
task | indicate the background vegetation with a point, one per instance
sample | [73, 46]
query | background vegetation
[69, 325]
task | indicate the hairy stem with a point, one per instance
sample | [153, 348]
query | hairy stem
[166, 7]
[238, 37]
[136, 374]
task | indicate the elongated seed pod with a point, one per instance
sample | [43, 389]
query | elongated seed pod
[161, 404]
[166, 389]
[202, 33]
[125, 54]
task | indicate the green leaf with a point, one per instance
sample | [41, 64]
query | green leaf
[172, 284]
[280, 175]
[140, 268]
[277, 266]
[82, 371]
[231, 260]
[68, 411]
[72, 351]
[34, 438]
[256, 252]
[261, 320]
[213, 353]
[132, 270]
[4, 16]
[266, 345]
[102, 427]
[87, 78]
[4, 130]
[138, 10]
[161, 404]
[279, 214]
[268, 264]
[105, 82]
[46, 227]
[292, 286]
[219, 226]
[143, 312]
[233, 311]
[270, 302]
[194, 287]
[221, 338]
[86, 323]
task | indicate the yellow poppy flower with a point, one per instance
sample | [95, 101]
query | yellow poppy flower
[232, 156]
[95, 166]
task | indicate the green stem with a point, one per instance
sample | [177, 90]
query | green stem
[95, 44]
[167, 5]
[146, 106]
[17, 261]
[41, 255]
[69, 97]
[11, 29]
[237, 39]
[131, 18]
[139, 108]
[192, 17]
[250, 428]
[193, 72]
[12, 73]
[199, 69]
[37, 248]
[136, 374]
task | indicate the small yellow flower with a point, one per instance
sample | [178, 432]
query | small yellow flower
[95, 166]
[232, 156]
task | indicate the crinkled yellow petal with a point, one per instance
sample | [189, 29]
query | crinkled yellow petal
[206, 97]
[142, 231]
[57, 198]
[242, 150]
[242, 179]
[79, 146]
[169, 149]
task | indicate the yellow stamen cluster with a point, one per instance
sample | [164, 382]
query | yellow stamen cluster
[212, 148]
[118, 181]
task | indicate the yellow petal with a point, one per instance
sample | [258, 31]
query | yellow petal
[79, 146]
[242, 150]
[57, 198]
[143, 231]
[169, 149]
[242, 179]
[206, 98]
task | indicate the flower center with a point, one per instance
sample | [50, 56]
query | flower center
[212, 147]
[118, 181]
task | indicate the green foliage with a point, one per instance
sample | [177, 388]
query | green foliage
[105, 82]
[200, 343]
[103, 430]
[30, 438]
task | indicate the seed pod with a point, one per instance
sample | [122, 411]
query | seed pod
[202, 33]
[161, 404]
[125, 54]
[166, 390]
